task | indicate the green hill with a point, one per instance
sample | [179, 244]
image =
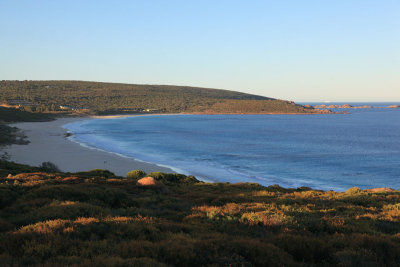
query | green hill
[116, 98]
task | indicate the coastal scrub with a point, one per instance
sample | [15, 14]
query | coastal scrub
[95, 217]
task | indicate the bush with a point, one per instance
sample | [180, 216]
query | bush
[353, 191]
[59, 192]
[173, 178]
[135, 174]
[63, 211]
[98, 173]
[7, 196]
[8, 167]
[49, 167]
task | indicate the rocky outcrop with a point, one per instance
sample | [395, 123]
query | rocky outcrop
[146, 181]
[380, 189]
[324, 111]
[342, 106]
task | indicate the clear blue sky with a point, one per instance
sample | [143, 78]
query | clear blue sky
[338, 50]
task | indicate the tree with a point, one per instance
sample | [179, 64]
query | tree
[135, 174]
[5, 156]
[49, 167]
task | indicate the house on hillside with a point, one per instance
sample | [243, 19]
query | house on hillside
[65, 107]
[62, 107]
[151, 110]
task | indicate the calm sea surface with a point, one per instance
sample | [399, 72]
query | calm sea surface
[320, 151]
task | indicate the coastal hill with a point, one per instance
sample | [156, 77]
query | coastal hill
[115, 98]
[95, 218]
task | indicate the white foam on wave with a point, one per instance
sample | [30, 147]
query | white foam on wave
[287, 150]
[90, 140]
[76, 130]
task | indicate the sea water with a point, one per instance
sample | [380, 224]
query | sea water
[327, 151]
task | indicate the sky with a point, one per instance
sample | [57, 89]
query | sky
[338, 50]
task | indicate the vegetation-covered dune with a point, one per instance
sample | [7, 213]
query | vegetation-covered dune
[116, 98]
[95, 218]
[19, 115]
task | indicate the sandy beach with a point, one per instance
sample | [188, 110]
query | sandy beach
[48, 143]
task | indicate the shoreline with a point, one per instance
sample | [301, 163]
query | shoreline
[48, 142]
[195, 113]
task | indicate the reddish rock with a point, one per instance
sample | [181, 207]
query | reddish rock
[346, 106]
[325, 111]
[342, 106]
[147, 181]
[31, 176]
[380, 189]
[331, 106]
[320, 106]
[71, 179]
[114, 180]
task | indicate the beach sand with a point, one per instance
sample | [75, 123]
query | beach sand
[48, 143]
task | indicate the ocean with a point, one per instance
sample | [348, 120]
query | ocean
[328, 152]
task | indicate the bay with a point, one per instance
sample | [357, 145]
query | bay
[319, 151]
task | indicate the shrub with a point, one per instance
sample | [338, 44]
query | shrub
[135, 174]
[173, 178]
[45, 227]
[96, 173]
[60, 192]
[5, 156]
[64, 212]
[7, 196]
[353, 191]
[49, 167]
[260, 253]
